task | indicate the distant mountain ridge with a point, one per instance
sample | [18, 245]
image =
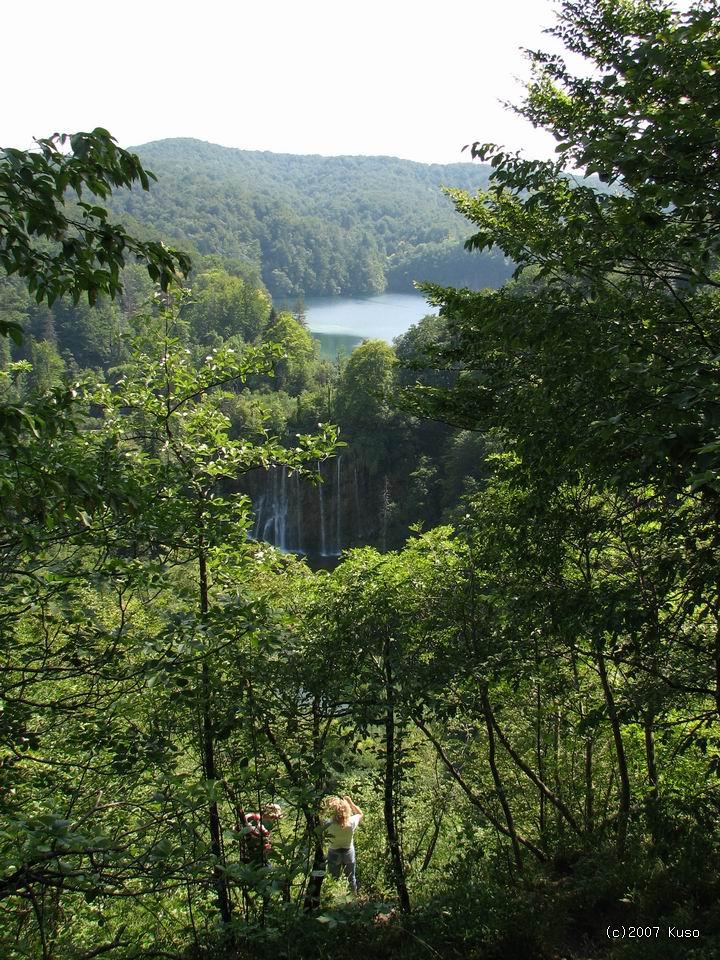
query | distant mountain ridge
[314, 225]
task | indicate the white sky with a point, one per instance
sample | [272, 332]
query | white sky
[409, 78]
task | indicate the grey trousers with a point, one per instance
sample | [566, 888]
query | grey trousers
[342, 859]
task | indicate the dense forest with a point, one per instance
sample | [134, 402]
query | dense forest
[393, 469]
[314, 225]
[513, 669]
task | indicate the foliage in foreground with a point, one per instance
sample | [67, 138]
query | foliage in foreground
[525, 704]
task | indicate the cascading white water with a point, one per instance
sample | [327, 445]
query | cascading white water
[258, 517]
[272, 511]
[268, 530]
[338, 508]
[356, 492]
[321, 496]
[298, 514]
[282, 509]
[282, 512]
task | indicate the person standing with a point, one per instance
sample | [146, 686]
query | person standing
[340, 827]
[257, 838]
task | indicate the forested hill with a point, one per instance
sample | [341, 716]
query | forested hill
[315, 225]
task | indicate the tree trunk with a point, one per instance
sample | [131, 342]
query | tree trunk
[545, 791]
[499, 788]
[433, 841]
[589, 791]
[389, 797]
[208, 758]
[623, 814]
[540, 758]
[312, 822]
[651, 805]
[717, 665]
[473, 797]
[317, 872]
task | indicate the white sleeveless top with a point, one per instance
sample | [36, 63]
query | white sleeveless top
[341, 837]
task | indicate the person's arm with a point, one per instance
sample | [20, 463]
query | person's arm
[354, 807]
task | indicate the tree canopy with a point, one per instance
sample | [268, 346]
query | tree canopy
[525, 701]
[313, 225]
[606, 360]
[60, 247]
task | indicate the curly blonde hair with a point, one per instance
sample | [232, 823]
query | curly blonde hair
[339, 810]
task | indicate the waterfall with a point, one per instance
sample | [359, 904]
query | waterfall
[268, 531]
[356, 491]
[274, 495]
[288, 518]
[384, 510]
[338, 507]
[298, 513]
[283, 511]
[272, 511]
[258, 517]
[323, 542]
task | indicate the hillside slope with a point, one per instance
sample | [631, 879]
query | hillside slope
[315, 225]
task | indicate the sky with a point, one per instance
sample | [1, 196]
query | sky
[415, 79]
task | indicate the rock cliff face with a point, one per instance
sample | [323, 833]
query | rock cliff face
[344, 508]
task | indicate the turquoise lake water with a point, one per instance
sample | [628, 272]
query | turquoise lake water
[341, 323]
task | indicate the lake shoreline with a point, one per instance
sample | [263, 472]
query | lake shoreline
[339, 324]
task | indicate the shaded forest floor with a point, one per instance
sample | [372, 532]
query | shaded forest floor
[554, 920]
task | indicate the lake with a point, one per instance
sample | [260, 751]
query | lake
[341, 323]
